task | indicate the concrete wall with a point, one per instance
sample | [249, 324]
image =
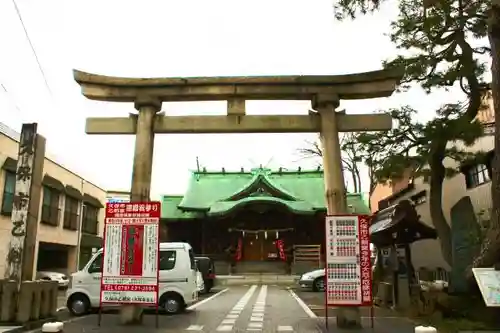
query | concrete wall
[47, 233]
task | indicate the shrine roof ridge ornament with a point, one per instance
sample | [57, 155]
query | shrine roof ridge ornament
[380, 83]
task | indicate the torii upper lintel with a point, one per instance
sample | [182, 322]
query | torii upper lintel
[373, 84]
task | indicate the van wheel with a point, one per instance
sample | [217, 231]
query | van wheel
[78, 304]
[172, 303]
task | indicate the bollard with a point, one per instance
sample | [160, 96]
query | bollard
[25, 302]
[37, 300]
[55, 327]
[425, 329]
[45, 300]
[8, 301]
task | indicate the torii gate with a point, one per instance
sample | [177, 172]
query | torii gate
[325, 93]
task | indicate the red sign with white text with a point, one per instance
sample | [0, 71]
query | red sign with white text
[131, 253]
[348, 263]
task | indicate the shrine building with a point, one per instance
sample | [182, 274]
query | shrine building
[254, 221]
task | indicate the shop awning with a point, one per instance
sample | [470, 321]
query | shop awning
[53, 183]
[10, 164]
[92, 201]
[91, 241]
[73, 192]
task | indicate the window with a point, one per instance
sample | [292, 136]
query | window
[8, 193]
[90, 219]
[96, 265]
[167, 260]
[50, 206]
[476, 175]
[71, 213]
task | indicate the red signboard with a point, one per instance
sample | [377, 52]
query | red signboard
[131, 253]
[348, 280]
[365, 261]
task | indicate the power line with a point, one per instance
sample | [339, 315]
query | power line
[11, 99]
[32, 48]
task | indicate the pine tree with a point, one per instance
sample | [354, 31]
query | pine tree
[436, 52]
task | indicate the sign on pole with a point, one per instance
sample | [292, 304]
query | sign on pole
[488, 280]
[348, 265]
[131, 253]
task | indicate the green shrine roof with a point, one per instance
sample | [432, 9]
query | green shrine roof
[218, 193]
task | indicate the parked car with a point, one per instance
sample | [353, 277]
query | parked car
[207, 268]
[314, 280]
[61, 278]
[177, 282]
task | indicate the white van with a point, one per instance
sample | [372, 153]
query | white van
[178, 287]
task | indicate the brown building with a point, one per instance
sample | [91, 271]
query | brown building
[474, 182]
[64, 195]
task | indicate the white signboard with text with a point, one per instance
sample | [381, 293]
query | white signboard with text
[131, 253]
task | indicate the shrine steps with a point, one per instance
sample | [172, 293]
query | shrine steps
[261, 267]
[257, 278]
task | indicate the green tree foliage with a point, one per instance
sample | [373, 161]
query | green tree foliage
[439, 48]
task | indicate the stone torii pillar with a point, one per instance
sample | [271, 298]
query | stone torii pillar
[324, 91]
[336, 201]
[147, 108]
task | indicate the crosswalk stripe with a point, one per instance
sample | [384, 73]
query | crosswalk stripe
[254, 326]
[195, 328]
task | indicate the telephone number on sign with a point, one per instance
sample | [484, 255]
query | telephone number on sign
[148, 298]
[118, 287]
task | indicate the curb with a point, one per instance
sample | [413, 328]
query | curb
[62, 315]
[32, 325]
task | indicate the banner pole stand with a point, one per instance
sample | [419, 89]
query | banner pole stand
[157, 324]
[326, 310]
[99, 316]
[372, 317]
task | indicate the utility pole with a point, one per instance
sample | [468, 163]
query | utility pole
[80, 226]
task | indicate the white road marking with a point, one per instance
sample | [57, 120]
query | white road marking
[195, 328]
[285, 329]
[227, 324]
[302, 304]
[257, 316]
[194, 306]
[225, 328]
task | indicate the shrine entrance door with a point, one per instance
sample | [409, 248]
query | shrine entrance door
[252, 248]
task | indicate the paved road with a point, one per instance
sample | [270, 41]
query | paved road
[239, 309]
[385, 321]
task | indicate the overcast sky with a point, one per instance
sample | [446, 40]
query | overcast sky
[146, 38]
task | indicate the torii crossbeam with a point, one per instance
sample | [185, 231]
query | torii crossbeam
[325, 92]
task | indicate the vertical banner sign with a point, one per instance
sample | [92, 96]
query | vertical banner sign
[131, 253]
[20, 202]
[348, 265]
